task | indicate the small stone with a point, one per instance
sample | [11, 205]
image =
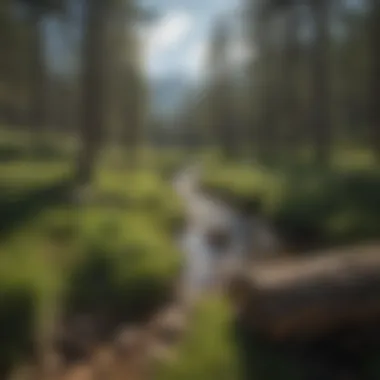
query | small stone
[170, 325]
[128, 340]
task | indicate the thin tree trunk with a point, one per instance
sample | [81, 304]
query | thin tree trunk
[92, 128]
[132, 93]
[133, 121]
[290, 78]
[321, 128]
[226, 119]
[37, 94]
[375, 77]
[262, 129]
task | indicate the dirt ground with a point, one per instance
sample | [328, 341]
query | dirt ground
[131, 356]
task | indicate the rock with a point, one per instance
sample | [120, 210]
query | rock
[170, 326]
[128, 340]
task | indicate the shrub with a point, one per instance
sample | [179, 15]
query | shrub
[248, 189]
[309, 207]
[330, 208]
[145, 192]
[118, 261]
[127, 266]
[28, 284]
[165, 162]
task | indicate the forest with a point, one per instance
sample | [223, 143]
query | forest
[283, 123]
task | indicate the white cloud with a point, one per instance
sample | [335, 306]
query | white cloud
[167, 32]
[195, 59]
[162, 39]
[177, 42]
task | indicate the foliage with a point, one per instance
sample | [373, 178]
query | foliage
[126, 266]
[166, 161]
[308, 206]
[242, 185]
[208, 350]
[93, 257]
[330, 208]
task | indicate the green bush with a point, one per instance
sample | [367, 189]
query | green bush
[127, 266]
[168, 166]
[247, 188]
[308, 206]
[143, 191]
[172, 213]
[28, 282]
[330, 208]
[28, 188]
[165, 162]
[118, 261]
[23, 146]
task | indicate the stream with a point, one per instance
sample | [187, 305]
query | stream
[135, 349]
[204, 265]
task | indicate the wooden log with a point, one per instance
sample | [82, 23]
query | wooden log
[306, 297]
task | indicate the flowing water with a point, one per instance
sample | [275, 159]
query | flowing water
[203, 263]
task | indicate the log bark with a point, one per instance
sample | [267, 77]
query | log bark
[308, 297]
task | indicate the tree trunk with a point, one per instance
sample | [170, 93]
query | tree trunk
[320, 123]
[92, 128]
[37, 90]
[226, 119]
[375, 78]
[133, 95]
[262, 86]
[290, 80]
[134, 115]
[267, 128]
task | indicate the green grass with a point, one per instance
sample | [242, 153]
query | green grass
[165, 161]
[243, 185]
[21, 176]
[309, 207]
[141, 190]
[29, 187]
[208, 350]
[22, 145]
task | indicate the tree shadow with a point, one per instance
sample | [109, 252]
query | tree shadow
[17, 318]
[327, 358]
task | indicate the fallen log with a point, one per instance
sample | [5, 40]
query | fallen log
[308, 297]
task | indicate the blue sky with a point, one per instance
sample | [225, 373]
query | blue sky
[173, 44]
[176, 43]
